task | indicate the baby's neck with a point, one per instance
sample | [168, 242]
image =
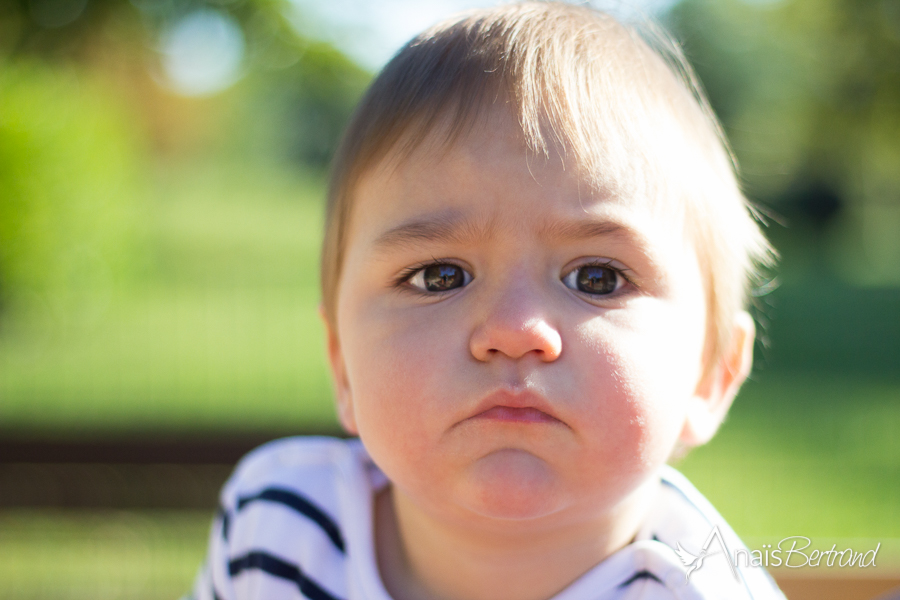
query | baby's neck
[420, 558]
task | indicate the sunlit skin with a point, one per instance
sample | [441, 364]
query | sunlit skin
[520, 419]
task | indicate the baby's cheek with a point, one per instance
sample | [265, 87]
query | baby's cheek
[635, 433]
[657, 429]
[636, 400]
[398, 391]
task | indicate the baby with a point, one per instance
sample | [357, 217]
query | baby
[534, 275]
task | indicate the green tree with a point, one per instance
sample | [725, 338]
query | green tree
[809, 94]
[67, 183]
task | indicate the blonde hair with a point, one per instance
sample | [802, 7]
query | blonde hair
[632, 117]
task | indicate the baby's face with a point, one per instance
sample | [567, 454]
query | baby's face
[510, 344]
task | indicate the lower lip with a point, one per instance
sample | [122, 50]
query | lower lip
[510, 414]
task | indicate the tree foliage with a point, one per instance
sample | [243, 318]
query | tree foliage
[809, 94]
[84, 107]
[67, 183]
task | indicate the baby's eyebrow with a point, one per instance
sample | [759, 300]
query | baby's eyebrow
[455, 229]
[581, 229]
[448, 229]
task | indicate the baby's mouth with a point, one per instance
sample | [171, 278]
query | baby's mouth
[515, 414]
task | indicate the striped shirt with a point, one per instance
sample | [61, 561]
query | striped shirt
[295, 522]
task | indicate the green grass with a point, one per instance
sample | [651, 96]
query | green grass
[240, 360]
[812, 455]
[219, 332]
[71, 555]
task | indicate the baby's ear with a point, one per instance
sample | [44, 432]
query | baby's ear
[342, 396]
[714, 394]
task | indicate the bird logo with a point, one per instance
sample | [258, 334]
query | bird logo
[691, 561]
[695, 561]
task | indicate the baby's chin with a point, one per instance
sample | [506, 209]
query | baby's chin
[512, 484]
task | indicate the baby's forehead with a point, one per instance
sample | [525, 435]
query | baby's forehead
[631, 167]
[488, 181]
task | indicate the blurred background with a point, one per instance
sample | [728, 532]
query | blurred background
[162, 169]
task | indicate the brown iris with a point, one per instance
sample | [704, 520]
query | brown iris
[440, 278]
[596, 279]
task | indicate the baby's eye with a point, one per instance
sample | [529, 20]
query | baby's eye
[594, 279]
[439, 277]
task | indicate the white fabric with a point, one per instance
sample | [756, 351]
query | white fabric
[267, 545]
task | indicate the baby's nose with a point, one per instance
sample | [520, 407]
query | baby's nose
[514, 328]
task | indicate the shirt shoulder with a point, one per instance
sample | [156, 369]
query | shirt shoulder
[650, 568]
[691, 548]
[309, 465]
[284, 519]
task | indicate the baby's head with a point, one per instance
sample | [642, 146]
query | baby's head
[536, 264]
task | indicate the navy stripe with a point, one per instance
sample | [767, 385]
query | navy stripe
[222, 514]
[641, 575]
[278, 568]
[301, 505]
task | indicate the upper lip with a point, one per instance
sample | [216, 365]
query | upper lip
[515, 399]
